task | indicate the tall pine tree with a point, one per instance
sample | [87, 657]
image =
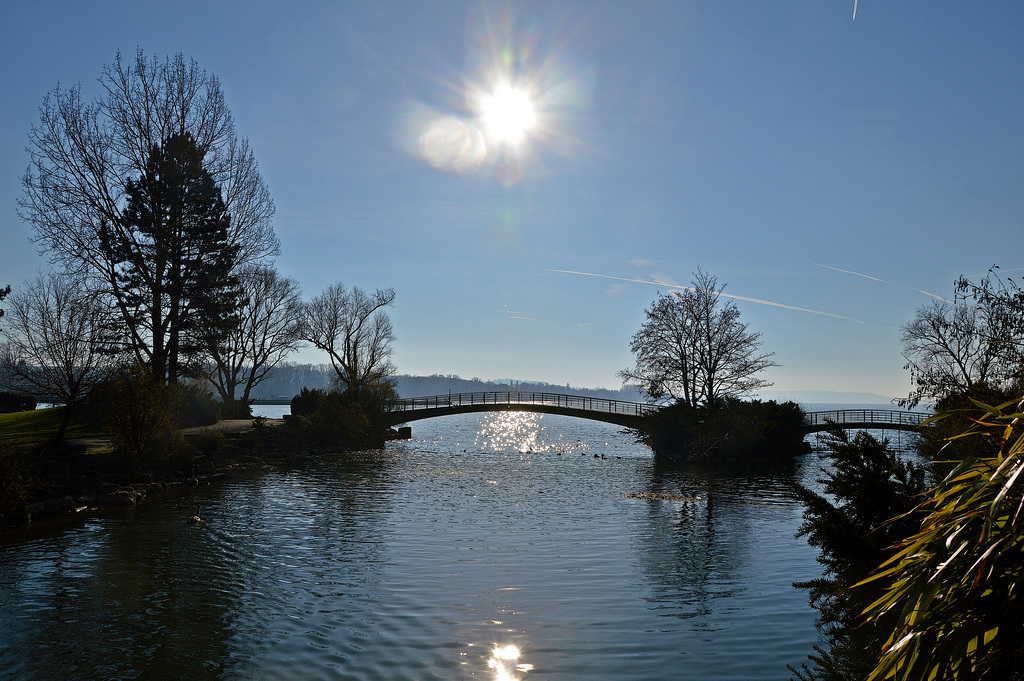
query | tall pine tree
[178, 295]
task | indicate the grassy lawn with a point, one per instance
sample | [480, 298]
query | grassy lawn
[42, 424]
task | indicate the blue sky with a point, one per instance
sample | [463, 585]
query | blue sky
[832, 172]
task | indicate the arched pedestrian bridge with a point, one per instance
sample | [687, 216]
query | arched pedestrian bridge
[619, 412]
[628, 414]
[864, 419]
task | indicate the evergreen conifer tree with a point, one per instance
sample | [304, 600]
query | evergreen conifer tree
[177, 291]
[866, 485]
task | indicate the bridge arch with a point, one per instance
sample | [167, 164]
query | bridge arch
[620, 412]
[864, 419]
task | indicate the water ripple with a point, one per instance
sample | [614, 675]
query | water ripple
[424, 561]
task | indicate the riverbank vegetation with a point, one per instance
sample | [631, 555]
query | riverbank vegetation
[923, 584]
[865, 484]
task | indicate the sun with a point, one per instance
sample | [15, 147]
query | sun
[508, 114]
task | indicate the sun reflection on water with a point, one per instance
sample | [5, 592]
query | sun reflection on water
[522, 432]
[510, 431]
[504, 663]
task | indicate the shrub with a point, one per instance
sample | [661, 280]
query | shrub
[867, 484]
[209, 440]
[140, 416]
[307, 401]
[730, 430]
[338, 420]
[12, 402]
[236, 409]
[195, 406]
[939, 440]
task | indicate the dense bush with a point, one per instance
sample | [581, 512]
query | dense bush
[139, 413]
[12, 402]
[336, 420]
[14, 476]
[236, 409]
[938, 440]
[195, 406]
[307, 401]
[866, 485]
[728, 431]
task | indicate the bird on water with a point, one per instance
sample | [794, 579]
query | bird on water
[195, 520]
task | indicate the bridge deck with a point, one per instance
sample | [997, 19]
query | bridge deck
[864, 419]
[629, 414]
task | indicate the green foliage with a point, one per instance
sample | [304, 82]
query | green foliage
[307, 401]
[140, 417]
[195, 406]
[728, 430]
[176, 258]
[336, 419]
[939, 440]
[12, 402]
[953, 586]
[865, 485]
[43, 424]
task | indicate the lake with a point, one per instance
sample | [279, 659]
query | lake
[490, 546]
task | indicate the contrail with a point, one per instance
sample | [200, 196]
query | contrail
[891, 283]
[724, 295]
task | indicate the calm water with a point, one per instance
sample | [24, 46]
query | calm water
[426, 561]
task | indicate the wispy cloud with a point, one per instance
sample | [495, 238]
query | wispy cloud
[884, 281]
[512, 314]
[661, 280]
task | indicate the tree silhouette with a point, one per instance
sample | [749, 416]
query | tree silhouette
[352, 327]
[60, 342]
[84, 156]
[694, 349]
[174, 260]
[269, 328]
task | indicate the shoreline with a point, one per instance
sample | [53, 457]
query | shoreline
[90, 485]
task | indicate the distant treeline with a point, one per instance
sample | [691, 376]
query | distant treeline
[288, 379]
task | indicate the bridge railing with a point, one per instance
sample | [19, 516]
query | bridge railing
[881, 417]
[516, 397]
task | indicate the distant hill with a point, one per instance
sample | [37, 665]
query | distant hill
[422, 386]
[288, 379]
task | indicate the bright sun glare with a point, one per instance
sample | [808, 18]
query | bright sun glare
[508, 114]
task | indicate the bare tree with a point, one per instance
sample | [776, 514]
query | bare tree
[84, 157]
[974, 342]
[60, 344]
[269, 329]
[352, 327]
[694, 349]
[3, 294]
